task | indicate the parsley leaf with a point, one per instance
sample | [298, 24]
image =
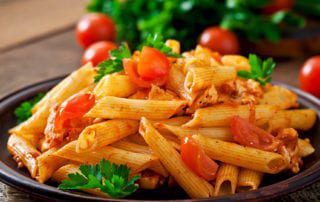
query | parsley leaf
[24, 111]
[260, 71]
[114, 64]
[110, 178]
[156, 41]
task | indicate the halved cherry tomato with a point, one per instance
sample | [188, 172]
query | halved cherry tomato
[278, 5]
[247, 134]
[95, 27]
[98, 52]
[220, 40]
[74, 107]
[197, 160]
[310, 76]
[153, 64]
[130, 67]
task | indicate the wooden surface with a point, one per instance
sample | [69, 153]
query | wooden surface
[30, 56]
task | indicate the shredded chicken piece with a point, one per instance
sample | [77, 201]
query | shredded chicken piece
[240, 92]
[207, 97]
[289, 148]
[156, 93]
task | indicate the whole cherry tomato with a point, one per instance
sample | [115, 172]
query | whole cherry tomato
[95, 27]
[98, 52]
[310, 76]
[220, 40]
[197, 160]
[278, 5]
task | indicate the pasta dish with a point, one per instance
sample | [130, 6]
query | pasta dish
[211, 124]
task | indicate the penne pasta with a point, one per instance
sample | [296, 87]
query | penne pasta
[302, 119]
[136, 161]
[175, 82]
[227, 179]
[63, 172]
[237, 61]
[280, 97]
[175, 121]
[114, 85]
[102, 134]
[215, 133]
[149, 181]
[221, 115]
[264, 161]
[71, 85]
[249, 180]
[24, 153]
[199, 78]
[121, 108]
[157, 167]
[305, 148]
[195, 186]
[48, 164]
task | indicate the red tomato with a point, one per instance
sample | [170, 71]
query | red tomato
[278, 5]
[95, 27]
[153, 64]
[310, 76]
[220, 40]
[74, 107]
[247, 134]
[98, 52]
[130, 67]
[196, 159]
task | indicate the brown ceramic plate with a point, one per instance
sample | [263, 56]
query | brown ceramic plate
[273, 185]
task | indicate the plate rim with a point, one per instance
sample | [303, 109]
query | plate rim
[28, 185]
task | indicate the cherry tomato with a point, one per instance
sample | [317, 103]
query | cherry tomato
[220, 40]
[278, 5]
[153, 64]
[130, 67]
[74, 107]
[247, 134]
[95, 27]
[196, 159]
[98, 52]
[310, 76]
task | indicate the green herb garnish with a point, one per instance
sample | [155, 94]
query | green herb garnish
[110, 178]
[114, 64]
[24, 111]
[260, 71]
[156, 41]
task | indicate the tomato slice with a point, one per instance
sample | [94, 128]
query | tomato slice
[153, 64]
[74, 107]
[196, 159]
[247, 134]
[130, 67]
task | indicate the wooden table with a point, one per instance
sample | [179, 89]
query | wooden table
[57, 53]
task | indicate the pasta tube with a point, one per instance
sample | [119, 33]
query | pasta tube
[48, 164]
[280, 97]
[302, 119]
[221, 115]
[24, 153]
[104, 133]
[195, 186]
[249, 180]
[176, 82]
[70, 85]
[216, 133]
[114, 85]
[237, 61]
[199, 78]
[175, 121]
[121, 108]
[264, 161]
[137, 162]
[227, 178]
[305, 148]
[63, 172]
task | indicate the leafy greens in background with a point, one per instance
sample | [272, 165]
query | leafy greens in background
[24, 111]
[184, 20]
[110, 178]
